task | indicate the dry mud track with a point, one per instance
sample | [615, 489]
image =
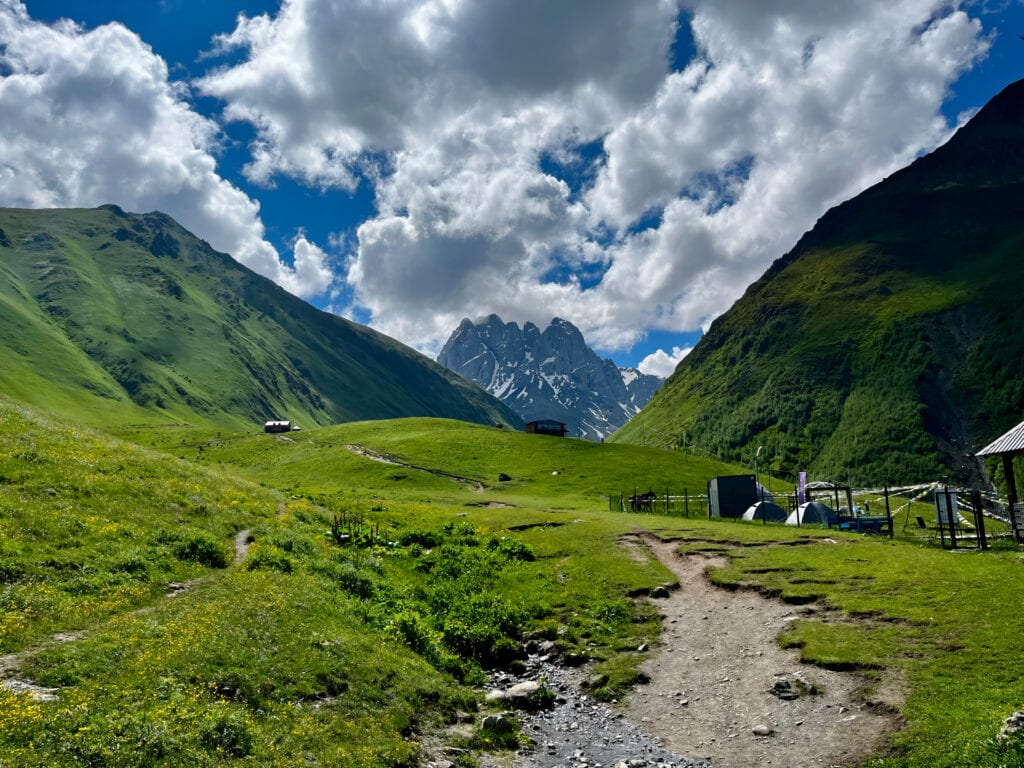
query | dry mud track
[712, 675]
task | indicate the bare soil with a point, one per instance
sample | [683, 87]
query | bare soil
[712, 677]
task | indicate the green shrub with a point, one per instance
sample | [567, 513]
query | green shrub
[511, 549]
[203, 549]
[428, 539]
[347, 576]
[293, 544]
[483, 627]
[228, 734]
[414, 631]
[269, 559]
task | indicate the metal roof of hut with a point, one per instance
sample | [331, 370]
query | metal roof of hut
[1011, 443]
[765, 510]
[1007, 447]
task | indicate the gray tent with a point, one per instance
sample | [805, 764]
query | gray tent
[765, 510]
[810, 513]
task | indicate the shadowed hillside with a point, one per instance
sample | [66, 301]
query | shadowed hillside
[887, 345]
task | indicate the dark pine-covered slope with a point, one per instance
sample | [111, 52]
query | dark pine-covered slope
[112, 317]
[888, 345]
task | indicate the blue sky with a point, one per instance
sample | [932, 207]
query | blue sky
[630, 167]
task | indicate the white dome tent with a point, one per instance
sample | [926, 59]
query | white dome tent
[810, 513]
[766, 510]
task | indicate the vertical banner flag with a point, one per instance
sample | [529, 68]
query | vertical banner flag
[800, 488]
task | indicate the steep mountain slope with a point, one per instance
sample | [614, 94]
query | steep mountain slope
[548, 375]
[887, 345]
[114, 317]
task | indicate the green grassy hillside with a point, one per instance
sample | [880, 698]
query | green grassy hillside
[455, 461]
[373, 596]
[122, 318]
[338, 636]
[887, 346]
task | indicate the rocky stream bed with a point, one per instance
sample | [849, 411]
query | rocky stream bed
[721, 693]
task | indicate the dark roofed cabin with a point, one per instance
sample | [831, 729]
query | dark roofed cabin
[546, 427]
[277, 426]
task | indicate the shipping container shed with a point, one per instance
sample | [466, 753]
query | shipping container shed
[731, 495]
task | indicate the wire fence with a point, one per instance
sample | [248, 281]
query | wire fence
[678, 503]
[928, 511]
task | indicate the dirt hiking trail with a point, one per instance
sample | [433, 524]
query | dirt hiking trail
[713, 676]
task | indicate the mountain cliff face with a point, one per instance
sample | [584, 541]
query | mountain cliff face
[888, 345]
[548, 375]
[112, 317]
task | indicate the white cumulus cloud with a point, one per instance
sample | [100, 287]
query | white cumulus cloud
[661, 363]
[527, 158]
[476, 123]
[90, 117]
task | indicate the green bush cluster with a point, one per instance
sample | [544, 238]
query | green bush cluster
[203, 549]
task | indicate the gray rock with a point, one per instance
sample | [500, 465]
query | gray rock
[762, 730]
[523, 689]
[1013, 725]
[498, 724]
[792, 687]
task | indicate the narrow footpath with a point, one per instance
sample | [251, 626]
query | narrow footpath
[722, 689]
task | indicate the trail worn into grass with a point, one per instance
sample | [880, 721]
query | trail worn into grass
[467, 482]
[241, 547]
[712, 679]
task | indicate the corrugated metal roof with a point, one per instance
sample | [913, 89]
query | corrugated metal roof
[1011, 442]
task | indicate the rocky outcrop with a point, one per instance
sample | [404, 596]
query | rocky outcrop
[550, 374]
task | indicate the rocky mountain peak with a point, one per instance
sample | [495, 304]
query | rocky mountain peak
[549, 374]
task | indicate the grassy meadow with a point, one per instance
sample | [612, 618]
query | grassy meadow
[388, 569]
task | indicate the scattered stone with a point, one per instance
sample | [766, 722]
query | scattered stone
[762, 730]
[644, 647]
[498, 724]
[33, 691]
[503, 478]
[660, 592]
[1013, 725]
[522, 690]
[790, 687]
[784, 690]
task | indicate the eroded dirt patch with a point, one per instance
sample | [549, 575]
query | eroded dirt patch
[712, 682]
